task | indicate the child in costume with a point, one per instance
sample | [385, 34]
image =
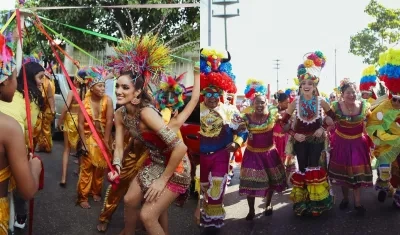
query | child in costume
[367, 83]
[349, 163]
[311, 191]
[100, 110]
[383, 126]
[16, 170]
[262, 171]
[222, 131]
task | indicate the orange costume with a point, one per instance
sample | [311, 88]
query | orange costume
[93, 165]
[42, 133]
[5, 174]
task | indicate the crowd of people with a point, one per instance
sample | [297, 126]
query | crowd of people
[299, 139]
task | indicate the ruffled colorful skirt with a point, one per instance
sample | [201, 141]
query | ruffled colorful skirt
[311, 192]
[261, 172]
[350, 163]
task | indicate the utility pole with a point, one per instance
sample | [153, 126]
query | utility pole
[209, 23]
[277, 73]
[226, 16]
[335, 70]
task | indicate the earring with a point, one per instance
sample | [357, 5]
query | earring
[135, 101]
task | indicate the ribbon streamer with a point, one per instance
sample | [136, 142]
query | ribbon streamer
[8, 22]
[131, 6]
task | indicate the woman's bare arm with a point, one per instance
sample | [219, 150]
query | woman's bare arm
[119, 137]
[50, 98]
[109, 120]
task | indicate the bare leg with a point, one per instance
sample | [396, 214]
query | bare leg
[252, 213]
[65, 156]
[151, 212]
[164, 221]
[268, 209]
[132, 201]
[357, 197]
[345, 191]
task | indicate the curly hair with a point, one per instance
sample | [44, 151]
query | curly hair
[35, 94]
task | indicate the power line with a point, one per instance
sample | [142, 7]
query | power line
[277, 64]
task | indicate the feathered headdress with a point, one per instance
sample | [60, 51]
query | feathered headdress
[31, 58]
[145, 56]
[254, 88]
[215, 71]
[389, 72]
[90, 76]
[311, 68]
[171, 92]
[7, 62]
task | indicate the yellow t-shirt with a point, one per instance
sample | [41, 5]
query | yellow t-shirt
[16, 109]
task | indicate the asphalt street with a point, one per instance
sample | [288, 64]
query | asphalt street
[55, 212]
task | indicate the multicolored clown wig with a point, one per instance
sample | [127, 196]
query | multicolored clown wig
[368, 81]
[145, 56]
[254, 88]
[215, 73]
[90, 76]
[389, 72]
[311, 68]
[171, 92]
[7, 61]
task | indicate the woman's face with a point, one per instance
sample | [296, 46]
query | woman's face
[284, 104]
[8, 87]
[39, 79]
[124, 90]
[259, 104]
[349, 95]
[307, 87]
[366, 95]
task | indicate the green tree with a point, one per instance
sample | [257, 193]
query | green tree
[383, 32]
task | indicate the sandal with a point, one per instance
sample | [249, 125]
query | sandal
[343, 204]
[250, 216]
[269, 211]
[102, 227]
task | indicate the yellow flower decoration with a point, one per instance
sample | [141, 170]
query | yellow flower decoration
[296, 81]
[308, 63]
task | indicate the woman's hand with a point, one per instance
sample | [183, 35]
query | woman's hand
[318, 133]
[112, 175]
[36, 165]
[155, 189]
[329, 121]
[299, 137]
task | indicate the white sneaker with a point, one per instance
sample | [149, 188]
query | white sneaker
[20, 223]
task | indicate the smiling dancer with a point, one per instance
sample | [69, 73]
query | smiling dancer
[222, 131]
[262, 171]
[383, 127]
[311, 190]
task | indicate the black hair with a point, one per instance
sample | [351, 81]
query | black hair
[138, 82]
[347, 85]
[35, 94]
[282, 97]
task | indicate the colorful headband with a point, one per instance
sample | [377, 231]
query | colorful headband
[7, 61]
[254, 88]
[145, 56]
[31, 58]
[172, 85]
[90, 76]
[389, 72]
[311, 67]
[215, 71]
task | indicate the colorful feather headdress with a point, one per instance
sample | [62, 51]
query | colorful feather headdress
[311, 68]
[90, 75]
[254, 88]
[7, 61]
[31, 58]
[145, 56]
[389, 72]
[215, 71]
[173, 86]
[368, 79]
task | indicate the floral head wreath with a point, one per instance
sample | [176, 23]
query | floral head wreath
[344, 82]
[215, 72]
[90, 76]
[31, 58]
[311, 68]
[368, 79]
[170, 84]
[254, 88]
[145, 56]
[389, 72]
[7, 61]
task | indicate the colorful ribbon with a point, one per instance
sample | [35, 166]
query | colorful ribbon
[8, 22]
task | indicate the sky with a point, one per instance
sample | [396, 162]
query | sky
[267, 30]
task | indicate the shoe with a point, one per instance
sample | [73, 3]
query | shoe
[211, 231]
[382, 196]
[20, 221]
[343, 204]
[360, 210]
[269, 211]
[63, 185]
